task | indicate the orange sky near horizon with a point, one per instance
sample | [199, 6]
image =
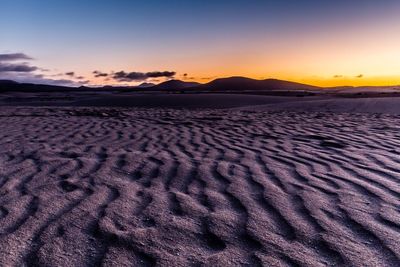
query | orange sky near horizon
[333, 57]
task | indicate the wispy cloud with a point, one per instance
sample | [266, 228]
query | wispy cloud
[14, 57]
[14, 67]
[123, 76]
[5, 66]
[98, 74]
[22, 67]
[186, 77]
[71, 74]
[29, 77]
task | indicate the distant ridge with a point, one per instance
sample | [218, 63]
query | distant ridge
[235, 84]
[145, 85]
[175, 85]
[221, 85]
[8, 82]
[242, 83]
[13, 86]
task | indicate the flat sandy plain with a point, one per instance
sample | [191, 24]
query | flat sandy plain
[303, 183]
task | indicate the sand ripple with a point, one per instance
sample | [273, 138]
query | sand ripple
[132, 187]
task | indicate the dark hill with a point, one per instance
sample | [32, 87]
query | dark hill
[174, 85]
[243, 84]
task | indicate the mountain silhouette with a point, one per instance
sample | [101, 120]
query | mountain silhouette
[145, 85]
[232, 84]
[242, 84]
[7, 82]
[13, 86]
[174, 85]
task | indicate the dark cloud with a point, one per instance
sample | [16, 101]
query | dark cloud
[27, 77]
[99, 74]
[159, 74]
[23, 67]
[15, 67]
[14, 57]
[360, 76]
[11, 68]
[187, 77]
[73, 75]
[123, 76]
[338, 76]
[132, 76]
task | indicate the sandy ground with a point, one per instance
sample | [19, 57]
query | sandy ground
[150, 100]
[211, 187]
[381, 105]
[329, 103]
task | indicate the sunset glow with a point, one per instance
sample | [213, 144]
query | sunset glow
[317, 42]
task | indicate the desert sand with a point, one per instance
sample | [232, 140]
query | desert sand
[373, 105]
[305, 183]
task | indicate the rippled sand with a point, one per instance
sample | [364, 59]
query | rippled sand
[144, 187]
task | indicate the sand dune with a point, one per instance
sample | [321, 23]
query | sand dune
[145, 187]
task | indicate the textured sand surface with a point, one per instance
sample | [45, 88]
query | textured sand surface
[131, 187]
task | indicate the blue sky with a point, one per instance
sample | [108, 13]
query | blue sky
[202, 38]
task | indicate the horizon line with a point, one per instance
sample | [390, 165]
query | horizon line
[200, 83]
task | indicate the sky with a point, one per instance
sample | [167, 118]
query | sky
[96, 42]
